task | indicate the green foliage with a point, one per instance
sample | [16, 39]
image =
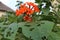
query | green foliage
[38, 1]
[54, 36]
[46, 11]
[37, 30]
[11, 31]
[43, 27]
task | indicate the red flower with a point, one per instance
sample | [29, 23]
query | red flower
[29, 11]
[27, 8]
[17, 12]
[20, 11]
[36, 9]
[30, 4]
[27, 18]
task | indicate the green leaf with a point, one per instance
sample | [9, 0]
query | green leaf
[37, 30]
[2, 28]
[11, 31]
[54, 36]
[46, 11]
[45, 28]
